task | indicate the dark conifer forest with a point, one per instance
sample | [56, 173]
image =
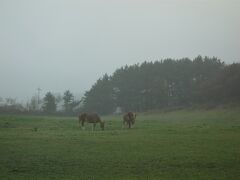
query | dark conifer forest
[163, 84]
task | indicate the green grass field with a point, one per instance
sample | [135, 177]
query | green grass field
[174, 145]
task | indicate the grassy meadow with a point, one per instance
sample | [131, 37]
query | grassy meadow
[196, 144]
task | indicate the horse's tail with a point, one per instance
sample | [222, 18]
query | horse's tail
[81, 118]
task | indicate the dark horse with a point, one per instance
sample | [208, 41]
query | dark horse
[90, 118]
[129, 118]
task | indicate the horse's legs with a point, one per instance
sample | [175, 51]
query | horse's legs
[129, 124]
[93, 127]
[133, 122]
[83, 128]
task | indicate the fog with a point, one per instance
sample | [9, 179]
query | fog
[68, 44]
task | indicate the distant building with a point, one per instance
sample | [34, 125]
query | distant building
[118, 110]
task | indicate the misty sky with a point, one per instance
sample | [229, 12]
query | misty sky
[68, 44]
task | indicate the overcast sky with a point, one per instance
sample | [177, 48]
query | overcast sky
[68, 44]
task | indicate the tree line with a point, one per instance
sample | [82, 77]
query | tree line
[144, 87]
[54, 104]
[166, 83]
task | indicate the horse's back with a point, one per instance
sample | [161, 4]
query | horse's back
[93, 118]
[128, 116]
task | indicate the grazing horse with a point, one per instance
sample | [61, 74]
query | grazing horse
[129, 118]
[90, 118]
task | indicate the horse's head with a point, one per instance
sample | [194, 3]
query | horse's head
[134, 117]
[82, 117]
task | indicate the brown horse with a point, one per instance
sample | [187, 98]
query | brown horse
[129, 118]
[90, 118]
